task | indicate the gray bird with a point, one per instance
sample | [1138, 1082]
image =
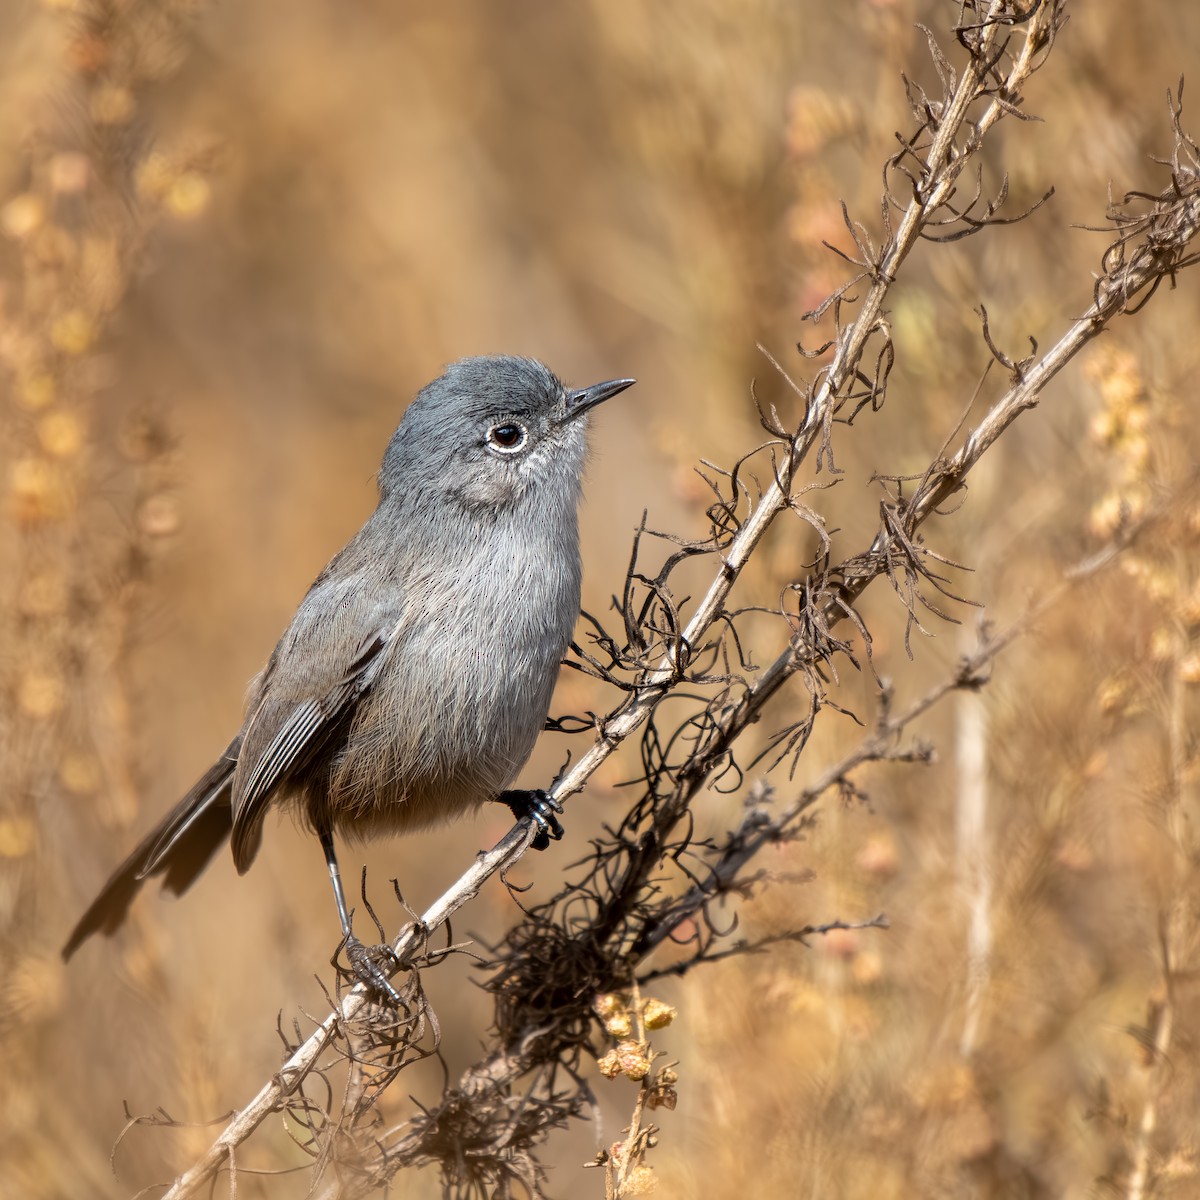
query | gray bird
[416, 674]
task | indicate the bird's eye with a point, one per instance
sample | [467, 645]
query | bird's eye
[508, 436]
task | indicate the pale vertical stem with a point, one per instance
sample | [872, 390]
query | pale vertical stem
[1140, 1175]
[973, 857]
[1163, 1016]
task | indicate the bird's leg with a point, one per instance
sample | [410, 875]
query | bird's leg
[335, 877]
[362, 959]
[539, 805]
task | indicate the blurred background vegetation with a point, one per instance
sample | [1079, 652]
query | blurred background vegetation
[236, 237]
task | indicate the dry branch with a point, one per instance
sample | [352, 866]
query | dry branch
[598, 932]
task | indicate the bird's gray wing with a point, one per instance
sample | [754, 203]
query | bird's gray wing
[297, 729]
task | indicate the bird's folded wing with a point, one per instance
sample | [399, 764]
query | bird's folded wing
[302, 733]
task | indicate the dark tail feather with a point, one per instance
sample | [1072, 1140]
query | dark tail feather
[179, 848]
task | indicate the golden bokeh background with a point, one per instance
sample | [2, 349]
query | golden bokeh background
[237, 237]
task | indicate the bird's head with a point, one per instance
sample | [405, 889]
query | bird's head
[493, 431]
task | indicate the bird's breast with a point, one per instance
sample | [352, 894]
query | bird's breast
[456, 708]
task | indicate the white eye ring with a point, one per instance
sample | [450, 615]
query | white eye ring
[507, 437]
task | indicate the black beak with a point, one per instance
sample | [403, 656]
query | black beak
[582, 399]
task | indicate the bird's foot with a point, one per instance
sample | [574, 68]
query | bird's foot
[539, 805]
[365, 964]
